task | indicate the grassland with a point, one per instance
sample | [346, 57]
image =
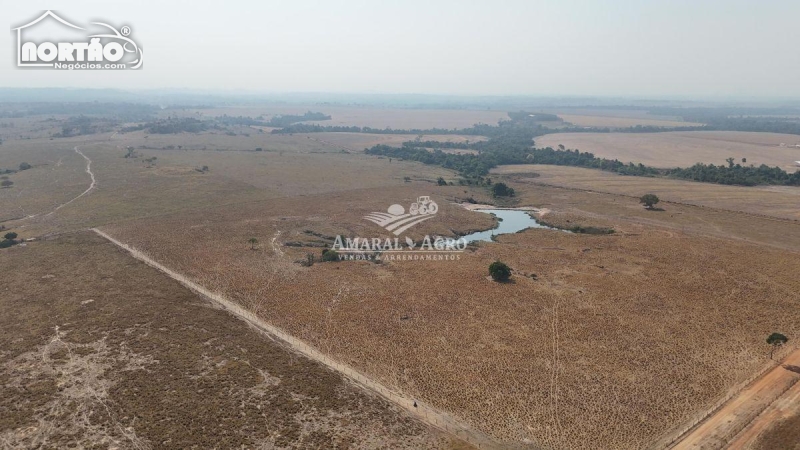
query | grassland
[775, 201]
[613, 327]
[684, 148]
[99, 349]
[375, 117]
[615, 341]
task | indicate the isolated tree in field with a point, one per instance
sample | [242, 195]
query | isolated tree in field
[502, 190]
[6, 183]
[24, 166]
[649, 200]
[253, 241]
[744, 160]
[730, 162]
[10, 236]
[499, 271]
[441, 182]
[776, 340]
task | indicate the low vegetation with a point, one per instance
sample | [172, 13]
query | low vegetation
[499, 271]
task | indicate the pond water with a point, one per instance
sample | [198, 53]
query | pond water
[511, 221]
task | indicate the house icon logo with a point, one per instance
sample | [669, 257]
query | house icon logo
[64, 45]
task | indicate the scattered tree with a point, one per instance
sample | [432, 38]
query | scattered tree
[502, 190]
[776, 340]
[744, 160]
[253, 241]
[329, 255]
[649, 200]
[499, 271]
[441, 182]
[24, 166]
[10, 236]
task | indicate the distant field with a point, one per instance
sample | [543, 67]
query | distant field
[683, 149]
[621, 122]
[360, 141]
[374, 117]
[777, 201]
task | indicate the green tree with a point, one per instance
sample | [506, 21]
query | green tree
[729, 161]
[776, 340]
[499, 271]
[649, 200]
[10, 236]
[441, 182]
[253, 241]
[329, 255]
[502, 190]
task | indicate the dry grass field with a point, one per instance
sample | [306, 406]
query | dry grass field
[775, 201]
[98, 349]
[612, 341]
[617, 341]
[367, 116]
[621, 122]
[357, 142]
[684, 148]
[129, 188]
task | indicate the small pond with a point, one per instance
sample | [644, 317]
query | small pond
[511, 221]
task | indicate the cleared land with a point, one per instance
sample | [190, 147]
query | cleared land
[97, 349]
[517, 361]
[614, 341]
[357, 142]
[375, 117]
[621, 122]
[683, 149]
[720, 429]
[776, 201]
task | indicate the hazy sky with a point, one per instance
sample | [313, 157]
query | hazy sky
[708, 48]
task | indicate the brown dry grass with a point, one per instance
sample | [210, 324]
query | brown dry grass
[776, 201]
[618, 341]
[375, 117]
[357, 142]
[582, 120]
[97, 349]
[683, 149]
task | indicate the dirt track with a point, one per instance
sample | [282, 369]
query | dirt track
[425, 413]
[719, 429]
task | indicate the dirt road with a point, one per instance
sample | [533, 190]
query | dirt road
[92, 185]
[784, 407]
[424, 413]
[719, 429]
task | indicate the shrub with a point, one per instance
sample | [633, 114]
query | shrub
[441, 182]
[6, 243]
[329, 255]
[6, 183]
[24, 166]
[10, 236]
[499, 271]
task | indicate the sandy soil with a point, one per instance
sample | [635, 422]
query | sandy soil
[736, 414]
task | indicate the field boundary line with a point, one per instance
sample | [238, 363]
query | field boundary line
[697, 423]
[425, 414]
[755, 418]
